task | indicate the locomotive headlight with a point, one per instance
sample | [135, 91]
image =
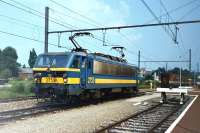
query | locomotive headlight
[65, 80]
[37, 75]
[35, 79]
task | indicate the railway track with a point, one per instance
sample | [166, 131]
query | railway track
[7, 116]
[154, 119]
[18, 114]
[7, 100]
[16, 99]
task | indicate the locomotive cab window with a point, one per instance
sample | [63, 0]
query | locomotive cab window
[51, 61]
[76, 62]
[83, 65]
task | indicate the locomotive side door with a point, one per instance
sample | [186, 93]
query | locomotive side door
[90, 76]
[83, 71]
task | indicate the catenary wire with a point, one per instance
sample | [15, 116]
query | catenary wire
[28, 38]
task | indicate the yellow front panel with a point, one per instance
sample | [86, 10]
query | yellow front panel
[73, 81]
[39, 69]
[114, 81]
[52, 80]
[65, 69]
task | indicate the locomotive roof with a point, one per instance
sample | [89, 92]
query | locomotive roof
[93, 55]
[55, 53]
[65, 53]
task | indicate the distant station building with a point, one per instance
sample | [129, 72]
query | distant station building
[25, 73]
[144, 72]
[198, 81]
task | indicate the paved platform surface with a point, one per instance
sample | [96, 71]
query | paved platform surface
[190, 123]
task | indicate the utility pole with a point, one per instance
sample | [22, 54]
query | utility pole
[138, 67]
[190, 62]
[139, 61]
[46, 38]
[166, 67]
[194, 78]
[196, 74]
[180, 76]
[180, 73]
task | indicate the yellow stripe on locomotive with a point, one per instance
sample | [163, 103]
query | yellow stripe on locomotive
[57, 69]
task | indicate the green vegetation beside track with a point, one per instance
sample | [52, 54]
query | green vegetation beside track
[18, 88]
[148, 85]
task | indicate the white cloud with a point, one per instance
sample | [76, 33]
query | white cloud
[97, 10]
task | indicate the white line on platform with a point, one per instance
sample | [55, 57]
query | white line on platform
[169, 130]
[138, 103]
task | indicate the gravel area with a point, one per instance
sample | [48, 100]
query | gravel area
[82, 119]
[17, 105]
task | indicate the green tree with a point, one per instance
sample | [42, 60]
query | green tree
[24, 66]
[149, 77]
[1, 61]
[32, 58]
[175, 70]
[159, 70]
[9, 60]
[6, 73]
[10, 52]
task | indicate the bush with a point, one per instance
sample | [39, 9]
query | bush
[18, 87]
[5, 74]
[22, 86]
[5, 93]
[29, 85]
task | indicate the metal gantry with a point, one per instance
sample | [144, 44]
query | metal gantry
[107, 28]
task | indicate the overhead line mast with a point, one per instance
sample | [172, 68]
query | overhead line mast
[46, 30]
[110, 28]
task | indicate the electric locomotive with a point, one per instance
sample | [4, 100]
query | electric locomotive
[67, 75]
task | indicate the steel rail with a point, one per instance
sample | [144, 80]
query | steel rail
[125, 125]
[164, 119]
[16, 99]
[125, 119]
[27, 112]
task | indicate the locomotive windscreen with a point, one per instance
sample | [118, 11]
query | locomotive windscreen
[51, 61]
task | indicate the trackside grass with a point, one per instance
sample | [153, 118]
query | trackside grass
[18, 88]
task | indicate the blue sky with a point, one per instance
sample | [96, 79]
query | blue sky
[153, 42]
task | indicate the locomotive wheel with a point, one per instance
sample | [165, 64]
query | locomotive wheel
[134, 92]
[74, 100]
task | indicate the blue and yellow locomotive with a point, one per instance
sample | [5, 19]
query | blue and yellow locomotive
[81, 74]
[76, 73]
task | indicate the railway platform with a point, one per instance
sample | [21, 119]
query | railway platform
[189, 120]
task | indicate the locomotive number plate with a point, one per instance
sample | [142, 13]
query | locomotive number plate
[49, 80]
[91, 80]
